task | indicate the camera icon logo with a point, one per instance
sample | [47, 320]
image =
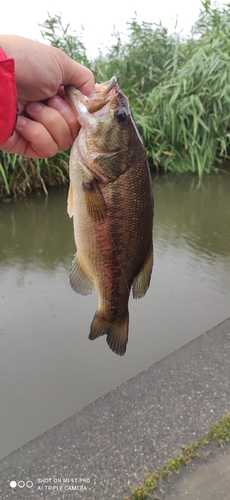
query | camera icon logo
[21, 484]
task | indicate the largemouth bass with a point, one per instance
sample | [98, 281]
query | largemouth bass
[110, 200]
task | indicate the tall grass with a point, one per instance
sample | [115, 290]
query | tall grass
[191, 109]
[60, 36]
[20, 176]
[141, 59]
[179, 90]
[178, 87]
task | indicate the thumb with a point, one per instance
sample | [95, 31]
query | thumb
[73, 73]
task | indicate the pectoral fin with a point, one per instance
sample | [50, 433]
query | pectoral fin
[142, 280]
[79, 280]
[70, 204]
[94, 199]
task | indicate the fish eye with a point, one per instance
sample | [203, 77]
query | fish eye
[121, 114]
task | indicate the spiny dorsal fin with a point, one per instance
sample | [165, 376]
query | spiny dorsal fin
[94, 199]
[79, 280]
[142, 280]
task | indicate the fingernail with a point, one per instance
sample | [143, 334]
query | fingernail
[21, 121]
[35, 106]
[59, 104]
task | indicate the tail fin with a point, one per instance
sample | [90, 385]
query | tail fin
[117, 332]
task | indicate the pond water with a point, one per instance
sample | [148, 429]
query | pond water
[48, 367]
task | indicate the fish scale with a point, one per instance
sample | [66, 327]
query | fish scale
[111, 202]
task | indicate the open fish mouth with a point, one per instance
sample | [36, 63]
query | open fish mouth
[103, 93]
[104, 88]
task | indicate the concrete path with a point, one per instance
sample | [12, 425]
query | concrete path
[207, 479]
[108, 447]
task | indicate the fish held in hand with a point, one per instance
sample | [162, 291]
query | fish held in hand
[110, 200]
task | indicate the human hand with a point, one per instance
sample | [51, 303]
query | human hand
[42, 72]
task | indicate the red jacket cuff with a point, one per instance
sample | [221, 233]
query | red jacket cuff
[8, 97]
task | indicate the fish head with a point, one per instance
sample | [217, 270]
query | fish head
[107, 129]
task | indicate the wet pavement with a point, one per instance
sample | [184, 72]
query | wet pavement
[107, 448]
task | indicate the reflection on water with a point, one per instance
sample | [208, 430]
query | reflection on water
[36, 231]
[195, 213]
[48, 367]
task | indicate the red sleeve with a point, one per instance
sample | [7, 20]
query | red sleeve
[8, 97]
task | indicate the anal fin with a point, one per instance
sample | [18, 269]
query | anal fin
[79, 280]
[142, 280]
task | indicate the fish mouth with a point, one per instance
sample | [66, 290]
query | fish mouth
[103, 93]
[104, 88]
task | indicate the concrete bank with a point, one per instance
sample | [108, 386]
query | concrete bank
[105, 449]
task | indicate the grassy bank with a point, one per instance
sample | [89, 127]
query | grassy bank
[21, 176]
[219, 433]
[178, 87]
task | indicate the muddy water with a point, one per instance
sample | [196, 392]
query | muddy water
[48, 367]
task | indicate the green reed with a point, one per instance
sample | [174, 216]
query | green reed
[179, 89]
[20, 176]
